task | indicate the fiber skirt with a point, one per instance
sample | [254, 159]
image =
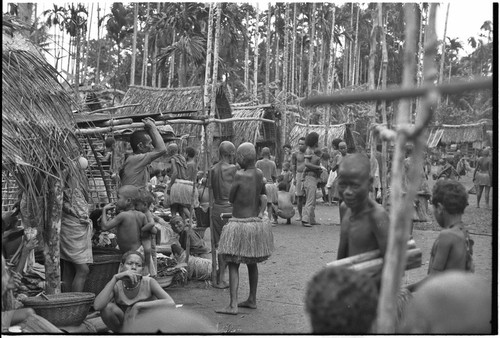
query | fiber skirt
[246, 240]
[482, 178]
[271, 193]
[181, 192]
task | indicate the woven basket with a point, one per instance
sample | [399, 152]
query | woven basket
[105, 266]
[63, 309]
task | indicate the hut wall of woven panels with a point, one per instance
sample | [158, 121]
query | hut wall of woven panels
[342, 131]
[260, 133]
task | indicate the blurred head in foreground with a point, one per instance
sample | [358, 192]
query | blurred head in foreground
[453, 302]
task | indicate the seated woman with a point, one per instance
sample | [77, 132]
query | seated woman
[129, 292]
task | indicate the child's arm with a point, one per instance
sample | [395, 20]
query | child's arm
[105, 224]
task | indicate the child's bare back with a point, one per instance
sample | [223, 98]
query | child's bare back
[246, 191]
[128, 229]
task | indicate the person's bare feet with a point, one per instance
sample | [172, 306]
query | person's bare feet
[222, 285]
[228, 310]
[248, 304]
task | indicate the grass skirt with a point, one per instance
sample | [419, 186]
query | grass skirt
[246, 240]
[181, 193]
[271, 193]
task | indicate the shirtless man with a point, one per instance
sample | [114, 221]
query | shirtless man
[482, 177]
[269, 170]
[147, 146]
[298, 167]
[365, 224]
[312, 173]
[221, 177]
[246, 238]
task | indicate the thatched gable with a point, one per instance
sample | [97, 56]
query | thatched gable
[255, 131]
[455, 134]
[341, 131]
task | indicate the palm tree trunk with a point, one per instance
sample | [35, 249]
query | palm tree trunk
[134, 45]
[354, 63]
[153, 61]
[301, 66]
[86, 62]
[349, 63]
[311, 58]
[383, 103]
[294, 41]
[284, 129]
[247, 54]
[371, 81]
[171, 70]
[443, 46]
[322, 78]
[268, 52]
[330, 71]
[77, 61]
[144, 77]
[206, 98]
[256, 57]
[98, 69]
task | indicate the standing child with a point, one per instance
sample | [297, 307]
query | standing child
[128, 221]
[452, 250]
[129, 291]
[482, 177]
[285, 206]
[143, 204]
[268, 168]
[246, 238]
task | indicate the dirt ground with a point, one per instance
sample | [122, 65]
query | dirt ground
[299, 253]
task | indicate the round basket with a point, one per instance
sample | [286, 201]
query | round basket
[105, 266]
[63, 309]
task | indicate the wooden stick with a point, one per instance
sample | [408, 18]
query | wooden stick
[116, 122]
[413, 259]
[400, 93]
[114, 108]
[366, 256]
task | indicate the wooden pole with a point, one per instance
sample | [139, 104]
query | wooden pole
[101, 170]
[383, 104]
[51, 236]
[402, 204]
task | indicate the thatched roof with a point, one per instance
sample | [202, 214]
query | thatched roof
[341, 131]
[37, 125]
[463, 133]
[254, 131]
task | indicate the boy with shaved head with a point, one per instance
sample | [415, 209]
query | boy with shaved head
[221, 178]
[365, 223]
[246, 238]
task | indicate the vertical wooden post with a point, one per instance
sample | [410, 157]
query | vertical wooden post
[51, 235]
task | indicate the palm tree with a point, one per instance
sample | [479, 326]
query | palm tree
[443, 47]
[55, 18]
[268, 52]
[134, 45]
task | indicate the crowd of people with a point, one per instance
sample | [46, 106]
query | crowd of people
[244, 195]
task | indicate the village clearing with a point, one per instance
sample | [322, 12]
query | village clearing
[299, 253]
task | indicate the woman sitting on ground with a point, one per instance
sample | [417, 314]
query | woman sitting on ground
[129, 292]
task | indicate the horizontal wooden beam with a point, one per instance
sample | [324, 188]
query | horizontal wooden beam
[399, 93]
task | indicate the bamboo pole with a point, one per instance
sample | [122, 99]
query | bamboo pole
[398, 92]
[383, 104]
[115, 108]
[101, 170]
[402, 204]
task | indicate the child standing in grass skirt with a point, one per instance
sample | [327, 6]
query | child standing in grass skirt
[246, 240]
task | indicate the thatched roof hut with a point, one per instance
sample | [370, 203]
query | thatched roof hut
[446, 135]
[260, 133]
[342, 131]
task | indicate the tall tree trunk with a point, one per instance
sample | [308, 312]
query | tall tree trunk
[153, 62]
[294, 43]
[371, 82]
[322, 78]
[98, 64]
[355, 51]
[171, 70]
[51, 235]
[350, 61]
[134, 45]
[284, 129]
[301, 66]
[268, 53]
[311, 59]
[383, 103]
[144, 77]
[87, 43]
[331, 74]
[277, 54]
[256, 57]
[77, 66]
[246, 79]
[206, 95]
[420, 51]
[443, 46]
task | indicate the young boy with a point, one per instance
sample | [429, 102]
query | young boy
[365, 223]
[246, 238]
[128, 221]
[143, 204]
[268, 168]
[341, 301]
[221, 177]
[298, 167]
[452, 249]
[287, 175]
[285, 206]
[135, 170]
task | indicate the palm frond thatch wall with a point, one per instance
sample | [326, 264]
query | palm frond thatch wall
[342, 131]
[37, 127]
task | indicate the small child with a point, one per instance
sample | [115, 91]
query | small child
[452, 250]
[285, 206]
[128, 221]
[246, 238]
[143, 204]
[287, 175]
[128, 291]
[341, 301]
